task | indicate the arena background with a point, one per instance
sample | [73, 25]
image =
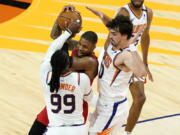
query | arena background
[25, 27]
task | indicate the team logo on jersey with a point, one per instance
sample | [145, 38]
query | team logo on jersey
[12, 8]
[107, 60]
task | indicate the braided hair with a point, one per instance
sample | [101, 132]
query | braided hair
[59, 62]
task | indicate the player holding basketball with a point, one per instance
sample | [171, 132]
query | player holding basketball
[83, 56]
[64, 90]
[141, 16]
[117, 66]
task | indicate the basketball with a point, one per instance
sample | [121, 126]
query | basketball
[68, 16]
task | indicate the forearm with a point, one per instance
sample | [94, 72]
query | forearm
[56, 31]
[57, 44]
[105, 19]
[145, 48]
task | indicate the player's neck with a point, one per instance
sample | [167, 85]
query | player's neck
[123, 45]
[66, 71]
[137, 11]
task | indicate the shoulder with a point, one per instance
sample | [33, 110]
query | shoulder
[84, 77]
[149, 12]
[122, 56]
[123, 11]
[90, 60]
[126, 54]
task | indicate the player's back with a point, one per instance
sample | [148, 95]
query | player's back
[66, 106]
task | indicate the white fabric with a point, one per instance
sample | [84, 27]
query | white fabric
[65, 107]
[137, 22]
[112, 90]
[69, 130]
[102, 115]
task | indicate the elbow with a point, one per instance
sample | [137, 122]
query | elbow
[142, 73]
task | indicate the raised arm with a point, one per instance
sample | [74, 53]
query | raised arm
[56, 45]
[56, 30]
[104, 18]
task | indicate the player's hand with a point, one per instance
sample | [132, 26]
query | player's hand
[74, 27]
[100, 14]
[150, 77]
[68, 8]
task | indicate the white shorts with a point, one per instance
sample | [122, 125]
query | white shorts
[67, 130]
[107, 119]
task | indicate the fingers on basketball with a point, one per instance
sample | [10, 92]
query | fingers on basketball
[69, 17]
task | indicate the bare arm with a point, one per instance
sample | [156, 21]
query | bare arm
[122, 11]
[87, 64]
[56, 30]
[145, 42]
[126, 60]
[104, 18]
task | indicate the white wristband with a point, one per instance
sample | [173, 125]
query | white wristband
[127, 133]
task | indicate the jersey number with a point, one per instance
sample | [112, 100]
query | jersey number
[67, 100]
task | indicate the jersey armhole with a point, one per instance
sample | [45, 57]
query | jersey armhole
[79, 79]
[114, 61]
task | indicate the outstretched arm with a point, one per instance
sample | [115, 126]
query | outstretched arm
[57, 31]
[56, 45]
[105, 19]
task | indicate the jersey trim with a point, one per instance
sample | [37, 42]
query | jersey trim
[78, 79]
[138, 17]
[114, 112]
[88, 93]
[116, 73]
[66, 74]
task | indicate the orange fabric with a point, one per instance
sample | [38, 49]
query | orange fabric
[27, 1]
[9, 12]
[106, 131]
[114, 76]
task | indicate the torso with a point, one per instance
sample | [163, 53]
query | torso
[113, 82]
[138, 21]
[65, 106]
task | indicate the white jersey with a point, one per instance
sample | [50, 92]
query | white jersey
[64, 107]
[113, 83]
[138, 22]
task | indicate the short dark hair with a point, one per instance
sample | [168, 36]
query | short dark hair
[90, 36]
[122, 24]
[59, 62]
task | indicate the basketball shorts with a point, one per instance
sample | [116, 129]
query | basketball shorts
[107, 119]
[67, 130]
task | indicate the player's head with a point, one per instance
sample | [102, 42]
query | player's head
[137, 3]
[87, 43]
[60, 63]
[120, 30]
